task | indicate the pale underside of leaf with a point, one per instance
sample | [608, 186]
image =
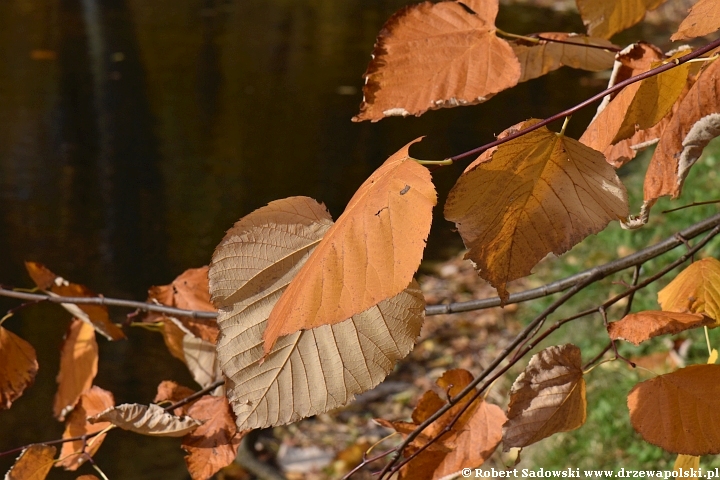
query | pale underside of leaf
[704, 18]
[149, 420]
[641, 326]
[606, 18]
[18, 367]
[696, 289]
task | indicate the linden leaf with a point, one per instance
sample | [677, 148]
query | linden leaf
[369, 255]
[607, 17]
[547, 398]
[539, 193]
[696, 289]
[91, 403]
[641, 326]
[679, 411]
[310, 371]
[704, 18]
[149, 420]
[34, 463]
[435, 55]
[18, 367]
[78, 367]
[537, 59]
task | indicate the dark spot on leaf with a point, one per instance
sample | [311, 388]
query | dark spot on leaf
[405, 190]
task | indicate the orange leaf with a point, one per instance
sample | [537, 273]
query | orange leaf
[539, 193]
[607, 17]
[34, 463]
[18, 367]
[430, 56]
[169, 391]
[679, 411]
[547, 398]
[91, 403]
[704, 18]
[188, 291]
[213, 445]
[369, 255]
[95, 315]
[696, 289]
[641, 326]
[78, 367]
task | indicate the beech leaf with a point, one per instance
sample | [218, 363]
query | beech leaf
[703, 19]
[607, 17]
[539, 193]
[310, 371]
[696, 289]
[435, 55]
[34, 463]
[547, 398]
[18, 367]
[149, 420]
[679, 411]
[641, 326]
[369, 255]
[78, 367]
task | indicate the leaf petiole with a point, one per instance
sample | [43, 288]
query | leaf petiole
[447, 161]
[565, 124]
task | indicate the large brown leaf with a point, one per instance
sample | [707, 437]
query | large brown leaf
[607, 17]
[146, 420]
[696, 289]
[369, 255]
[311, 371]
[34, 463]
[641, 326]
[680, 411]
[18, 367]
[539, 193]
[435, 55]
[704, 18]
[78, 367]
[547, 398]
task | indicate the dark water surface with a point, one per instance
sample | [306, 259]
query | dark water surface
[133, 133]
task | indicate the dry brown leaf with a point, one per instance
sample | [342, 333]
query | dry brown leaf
[95, 315]
[197, 354]
[703, 19]
[169, 391]
[607, 17]
[311, 371]
[641, 326]
[680, 411]
[695, 122]
[547, 398]
[430, 56]
[149, 420]
[213, 445]
[18, 367]
[685, 463]
[34, 463]
[173, 335]
[369, 255]
[87, 477]
[537, 59]
[696, 289]
[540, 193]
[91, 403]
[78, 367]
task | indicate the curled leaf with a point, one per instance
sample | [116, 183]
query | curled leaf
[18, 367]
[146, 420]
[641, 326]
[78, 367]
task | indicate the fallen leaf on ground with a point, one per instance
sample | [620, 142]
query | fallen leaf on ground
[18, 367]
[641, 326]
[34, 463]
[607, 17]
[78, 367]
[149, 420]
[703, 19]
[696, 290]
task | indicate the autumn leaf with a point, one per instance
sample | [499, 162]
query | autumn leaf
[703, 19]
[197, 354]
[169, 391]
[18, 367]
[95, 315]
[547, 398]
[213, 445]
[34, 463]
[91, 403]
[149, 420]
[607, 17]
[369, 255]
[543, 56]
[539, 193]
[696, 289]
[310, 371]
[679, 411]
[641, 326]
[78, 367]
[435, 55]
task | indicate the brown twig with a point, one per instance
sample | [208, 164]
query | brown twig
[694, 204]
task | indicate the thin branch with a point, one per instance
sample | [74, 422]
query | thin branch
[694, 204]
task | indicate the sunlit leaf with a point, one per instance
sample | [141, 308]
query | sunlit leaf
[18, 367]
[607, 17]
[34, 463]
[696, 289]
[169, 391]
[641, 326]
[704, 18]
[78, 367]
[146, 420]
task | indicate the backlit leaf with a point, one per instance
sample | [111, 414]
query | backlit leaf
[641, 326]
[547, 398]
[313, 370]
[679, 411]
[34, 463]
[607, 17]
[169, 391]
[696, 289]
[78, 367]
[704, 18]
[146, 420]
[18, 367]
[369, 255]
[539, 193]
[435, 55]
